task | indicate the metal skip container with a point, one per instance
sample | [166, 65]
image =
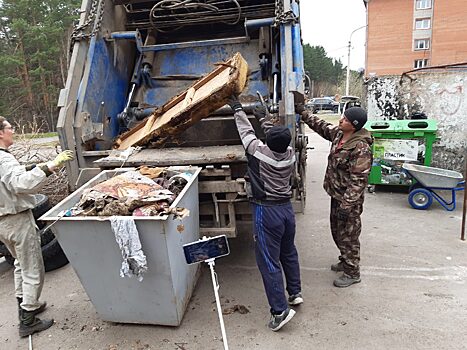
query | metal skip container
[90, 245]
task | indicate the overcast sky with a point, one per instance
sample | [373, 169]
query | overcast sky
[329, 23]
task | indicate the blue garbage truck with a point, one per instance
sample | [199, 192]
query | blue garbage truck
[129, 57]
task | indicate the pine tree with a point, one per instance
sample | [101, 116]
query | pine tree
[32, 56]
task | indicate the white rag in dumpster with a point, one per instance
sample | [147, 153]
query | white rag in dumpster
[134, 261]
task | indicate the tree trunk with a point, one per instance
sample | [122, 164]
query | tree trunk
[25, 75]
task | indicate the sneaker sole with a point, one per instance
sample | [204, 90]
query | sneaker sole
[296, 301]
[337, 269]
[286, 320]
[347, 285]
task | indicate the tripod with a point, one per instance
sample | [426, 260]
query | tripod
[215, 285]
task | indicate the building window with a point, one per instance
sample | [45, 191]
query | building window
[422, 44]
[420, 63]
[423, 23]
[423, 4]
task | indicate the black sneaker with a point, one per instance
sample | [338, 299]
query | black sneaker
[346, 281]
[339, 267]
[279, 321]
[296, 299]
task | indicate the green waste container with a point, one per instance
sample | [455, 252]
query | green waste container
[397, 142]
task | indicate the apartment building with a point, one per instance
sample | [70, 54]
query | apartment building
[407, 34]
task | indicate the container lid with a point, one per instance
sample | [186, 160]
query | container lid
[397, 126]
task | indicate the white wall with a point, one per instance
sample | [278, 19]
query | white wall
[440, 95]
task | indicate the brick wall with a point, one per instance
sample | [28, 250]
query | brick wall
[390, 35]
[449, 32]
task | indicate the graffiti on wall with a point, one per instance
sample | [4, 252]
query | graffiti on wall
[450, 100]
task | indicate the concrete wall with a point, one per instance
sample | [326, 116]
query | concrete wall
[440, 95]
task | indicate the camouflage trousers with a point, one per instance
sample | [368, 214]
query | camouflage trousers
[346, 236]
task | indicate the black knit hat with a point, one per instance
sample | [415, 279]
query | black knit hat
[278, 138]
[356, 116]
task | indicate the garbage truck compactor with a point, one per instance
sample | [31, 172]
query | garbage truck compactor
[130, 57]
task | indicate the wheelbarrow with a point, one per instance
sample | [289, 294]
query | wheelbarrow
[429, 180]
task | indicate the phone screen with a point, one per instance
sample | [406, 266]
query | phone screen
[206, 249]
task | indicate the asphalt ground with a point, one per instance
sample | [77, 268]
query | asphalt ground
[412, 294]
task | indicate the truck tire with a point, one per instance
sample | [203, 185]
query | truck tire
[42, 206]
[3, 250]
[53, 256]
[9, 259]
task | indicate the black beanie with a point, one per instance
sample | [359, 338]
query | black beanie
[356, 116]
[278, 138]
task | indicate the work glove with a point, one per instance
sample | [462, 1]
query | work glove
[234, 103]
[299, 108]
[62, 158]
[342, 214]
[260, 113]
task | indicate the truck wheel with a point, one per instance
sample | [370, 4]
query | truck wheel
[46, 236]
[420, 198]
[3, 249]
[9, 259]
[42, 206]
[53, 256]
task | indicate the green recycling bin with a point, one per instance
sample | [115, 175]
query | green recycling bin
[397, 142]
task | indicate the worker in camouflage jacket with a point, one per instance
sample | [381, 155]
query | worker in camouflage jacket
[18, 183]
[349, 164]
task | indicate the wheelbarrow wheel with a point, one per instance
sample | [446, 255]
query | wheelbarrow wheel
[420, 198]
[415, 186]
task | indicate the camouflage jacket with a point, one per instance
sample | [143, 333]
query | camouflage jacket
[348, 166]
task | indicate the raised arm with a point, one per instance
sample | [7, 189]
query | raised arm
[244, 127]
[260, 113]
[323, 128]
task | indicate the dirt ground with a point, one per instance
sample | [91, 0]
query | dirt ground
[412, 295]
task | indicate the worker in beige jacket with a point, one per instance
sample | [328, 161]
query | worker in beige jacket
[18, 183]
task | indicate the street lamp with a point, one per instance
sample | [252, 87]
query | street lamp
[348, 61]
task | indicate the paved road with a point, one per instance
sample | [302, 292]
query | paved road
[412, 295]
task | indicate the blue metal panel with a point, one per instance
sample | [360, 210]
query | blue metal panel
[297, 49]
[199, 43]
[106, 83]
[199, 61]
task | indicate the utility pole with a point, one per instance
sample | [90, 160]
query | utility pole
[347, 83]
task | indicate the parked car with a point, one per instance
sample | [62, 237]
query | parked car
[349, 101]
[323, 104]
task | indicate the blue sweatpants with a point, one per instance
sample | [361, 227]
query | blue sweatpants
[274, 231]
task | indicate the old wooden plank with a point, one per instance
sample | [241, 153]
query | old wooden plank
[179, 156]
[220, 186]
[201, 99]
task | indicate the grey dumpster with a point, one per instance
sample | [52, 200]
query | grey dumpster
[90, 245]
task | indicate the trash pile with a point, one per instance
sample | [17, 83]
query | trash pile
[146, 191]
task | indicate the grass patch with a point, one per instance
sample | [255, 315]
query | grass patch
[40, 136]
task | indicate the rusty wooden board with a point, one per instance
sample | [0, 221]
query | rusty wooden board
[203, 98]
